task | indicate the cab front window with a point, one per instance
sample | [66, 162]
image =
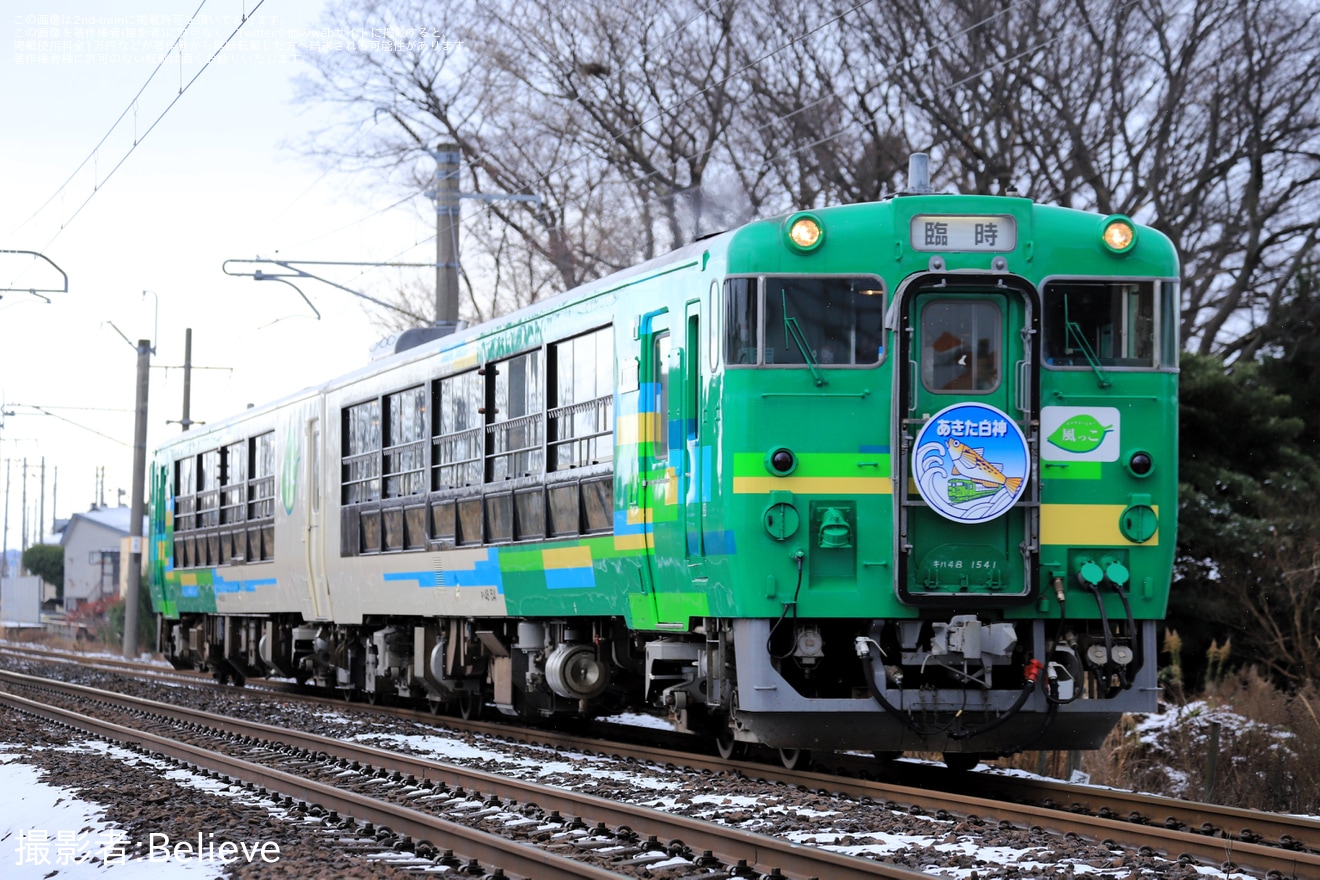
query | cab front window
[1099, 323]
[793, 321]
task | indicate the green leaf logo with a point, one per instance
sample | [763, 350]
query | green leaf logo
[1082, 433]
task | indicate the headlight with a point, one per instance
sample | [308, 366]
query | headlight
[804, 232]
[1119, 234]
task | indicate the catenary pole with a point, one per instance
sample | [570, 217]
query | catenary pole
[186, 421]
[447, 215]
[137, 506]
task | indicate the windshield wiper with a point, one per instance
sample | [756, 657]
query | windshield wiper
[1077, 337]
[794, 332]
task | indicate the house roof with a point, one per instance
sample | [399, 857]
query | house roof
[117, 518]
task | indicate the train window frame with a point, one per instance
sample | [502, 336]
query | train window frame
[361, 451]
[405, 440]
[1170, 328]
[458, 429]
[233, 482]
[763, 357]
[208, 488]
[261, 497]
[579, 429]
[515, 430]
[927, 363]
[1164, 306]
[713, 337]
[238, 528]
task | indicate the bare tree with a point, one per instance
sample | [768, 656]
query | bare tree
[633, 121]
[1197, 116]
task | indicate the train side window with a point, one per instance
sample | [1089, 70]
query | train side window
[713, 325]
[1170, 307]
[208, 489]
[469, 521]
[598, 504]
[443, 523]
[361, 456]
[234, 462]
[457, 456]
[185, 507]
[1099, 323]
[414, 528]
[370, 531]
[499, 518]
[393, 528]
[261, 497]
[517, 428]
[960, 348]
[741, 323]
[233, 489]
[406, 433]
[565, 510]
[529, 514]
[660, 402]
[581, 417]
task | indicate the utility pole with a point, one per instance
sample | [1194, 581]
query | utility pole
[41, 518]
[137, 506]
[187, 378]
[25, 511]
[4, 562]
[447, 214]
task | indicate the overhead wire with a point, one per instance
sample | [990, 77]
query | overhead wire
[132, 106]
[183, 89]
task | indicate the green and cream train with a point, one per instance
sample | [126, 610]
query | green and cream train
[891, 476]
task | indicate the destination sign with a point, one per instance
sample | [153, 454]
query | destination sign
[964, 232]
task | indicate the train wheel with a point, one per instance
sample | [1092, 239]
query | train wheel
[470, 706]
[729, 748]
[961, 760]
[795, 759]
[435, 707]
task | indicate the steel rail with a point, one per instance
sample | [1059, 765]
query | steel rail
[731, 845]
[517, 858]
[1159, 816]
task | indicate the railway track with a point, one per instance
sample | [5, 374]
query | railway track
[1267, 844]
[608, 827]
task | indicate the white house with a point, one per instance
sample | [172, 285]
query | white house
[92, 553]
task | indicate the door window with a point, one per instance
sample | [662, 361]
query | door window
[960, 348]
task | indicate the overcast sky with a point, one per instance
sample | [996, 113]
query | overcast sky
[219, 177]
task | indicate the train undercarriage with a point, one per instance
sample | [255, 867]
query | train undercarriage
[961, 685]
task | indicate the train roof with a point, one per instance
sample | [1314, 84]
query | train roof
[756, 246]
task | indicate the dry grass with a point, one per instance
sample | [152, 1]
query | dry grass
[1268, 753]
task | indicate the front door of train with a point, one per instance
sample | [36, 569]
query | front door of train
[967, 402]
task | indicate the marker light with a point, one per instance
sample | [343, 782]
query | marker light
[1141, 464]
[781, 461]
[1119, 234]
[805, 232]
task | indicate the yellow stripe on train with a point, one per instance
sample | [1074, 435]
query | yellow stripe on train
[1084, 525]
[813, 485]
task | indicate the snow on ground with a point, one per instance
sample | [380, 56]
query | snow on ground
[46, 831]
[45, 828]
[571, 769]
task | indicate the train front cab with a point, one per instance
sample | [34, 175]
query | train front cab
[1034, 462]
